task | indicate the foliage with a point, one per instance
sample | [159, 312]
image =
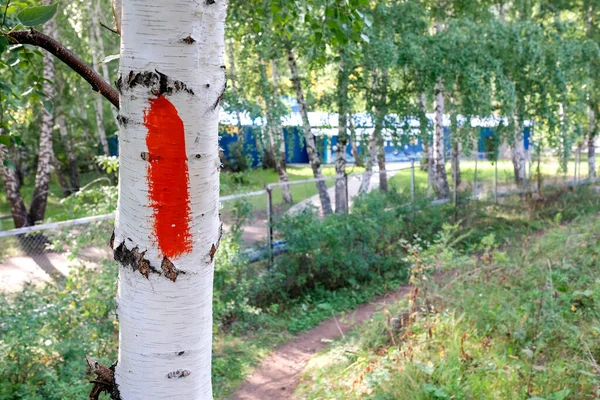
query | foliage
[46, 334]
[513, 324]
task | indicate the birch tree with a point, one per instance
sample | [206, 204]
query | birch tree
[167, 228]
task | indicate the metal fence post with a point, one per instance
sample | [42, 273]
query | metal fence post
[496, 181]
[270, 222]
[412, 181]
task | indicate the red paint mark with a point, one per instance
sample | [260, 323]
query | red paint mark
[168, 179]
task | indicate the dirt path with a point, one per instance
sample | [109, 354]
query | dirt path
[279, 374]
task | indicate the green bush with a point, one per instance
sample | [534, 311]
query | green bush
[346, 250]
[47, 332]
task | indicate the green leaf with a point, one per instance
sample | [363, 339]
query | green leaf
[365, 38]
[5, 140]
[110, 58]
[37, 15]
[9, 164]
[3, 44]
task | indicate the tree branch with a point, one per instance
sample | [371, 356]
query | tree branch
[102, 24]
[55, 48]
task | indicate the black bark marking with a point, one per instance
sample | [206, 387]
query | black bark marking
[220, 95]
[104, 380]
[180, 373]
[122, 120]
[197, 156]
[169, 269]
[158, 83]
[119, 84]
[189, 39]
[181, 353]
[209, 2]
[212, 252]
[134, 259]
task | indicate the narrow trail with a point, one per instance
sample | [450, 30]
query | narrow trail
[279, 374]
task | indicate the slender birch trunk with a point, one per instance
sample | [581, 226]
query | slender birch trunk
[591, 143]
[12, 189]
[341, 191]
[279, 144]
[357, 157]
[233, 79]
[372, 155]
[97, 13]
[440, 180]
[73, 167]
[37, 208]
[167, 228]
[98, 105]
[456, 163]
[592, 123]
[376, 141]
[425, 139]
[382, 112]
[518, 152]
[309, 137]
[60, 177]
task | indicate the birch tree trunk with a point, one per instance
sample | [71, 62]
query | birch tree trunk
[427, 148]
[341, 191]
[97, 13]
[233, 79]
[37, 208]
[73, 167]
[309, 137]
[279, 145]
[372, 155]
[518, 152]
[440, 180]
[60, 177]
[167, 229]
[591, 143]
[357, 157]
[456, 163]
[13, 193]
[382, 112]
[99, 108]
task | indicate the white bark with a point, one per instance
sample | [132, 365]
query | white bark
[309, 137]
[37, 208]
[99, 110]
[440, 180]
[165, 319]
[279, 142]
[591, 143]
[518, 152]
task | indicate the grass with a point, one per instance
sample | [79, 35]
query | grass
[486, 171]
[513, 320]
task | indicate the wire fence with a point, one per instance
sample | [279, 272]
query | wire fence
[253, 215]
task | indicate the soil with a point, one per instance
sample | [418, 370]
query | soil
[279, 374]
